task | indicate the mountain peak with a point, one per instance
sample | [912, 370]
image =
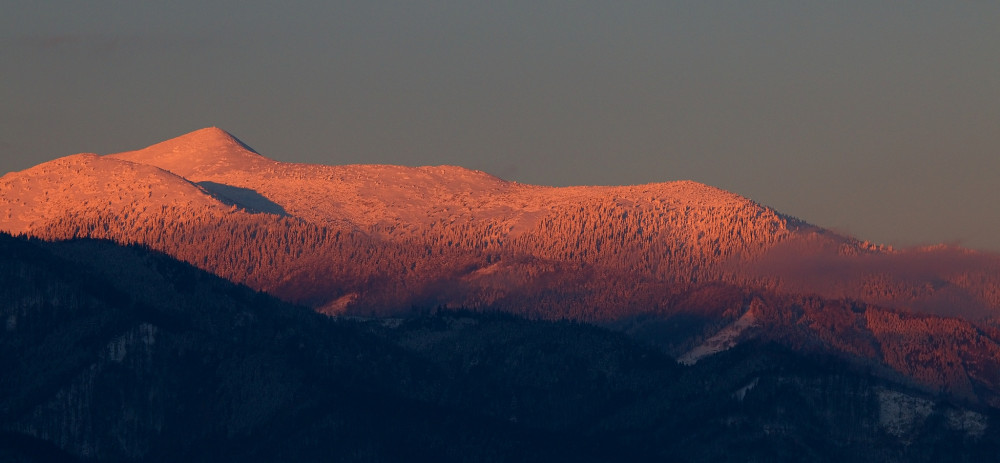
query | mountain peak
[198, 154]
[209, 137]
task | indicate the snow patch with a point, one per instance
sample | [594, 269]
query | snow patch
[723, 340]
[972, 423]
[900, 413]
[338, 306]
[144, 336]
[741, 393]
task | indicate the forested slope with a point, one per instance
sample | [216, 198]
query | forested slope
[118, 354]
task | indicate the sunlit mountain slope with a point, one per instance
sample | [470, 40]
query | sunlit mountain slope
[690, 267]
[376, 237]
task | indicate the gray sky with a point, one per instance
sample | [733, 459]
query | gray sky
[879, 119]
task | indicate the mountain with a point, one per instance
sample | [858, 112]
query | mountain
[448, 235]
[363, 238]
[115, 353]
[691, 268]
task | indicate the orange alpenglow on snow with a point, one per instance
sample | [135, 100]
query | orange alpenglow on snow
[381, 237]
[199, 154]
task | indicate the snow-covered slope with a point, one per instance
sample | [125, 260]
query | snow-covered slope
[625, 246]
[408, 198]
[36, 196]
[724, 339]
[379, 239]
[198, 154]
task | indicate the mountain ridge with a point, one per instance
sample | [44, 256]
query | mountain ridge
[678, 264]
[475, 227]
[213, 155]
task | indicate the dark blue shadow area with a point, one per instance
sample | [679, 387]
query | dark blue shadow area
[243, 198]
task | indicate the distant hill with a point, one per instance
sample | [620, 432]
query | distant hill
[117, 353]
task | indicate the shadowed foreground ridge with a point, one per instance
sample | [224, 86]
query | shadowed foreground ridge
[122, 354]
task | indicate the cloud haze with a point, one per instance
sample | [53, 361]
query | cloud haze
[941, 280]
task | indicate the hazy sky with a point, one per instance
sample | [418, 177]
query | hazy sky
[880, 119]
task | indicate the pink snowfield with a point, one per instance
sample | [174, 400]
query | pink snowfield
[682, 230]
[364, 195]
